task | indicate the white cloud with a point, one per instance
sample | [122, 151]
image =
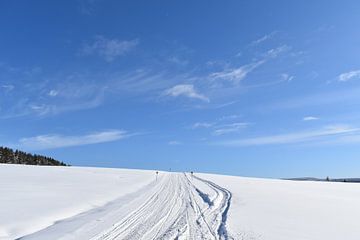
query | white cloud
[235, 75]
[71, 100]
[78, 91]
[186, 90]
[263, 39]
[310, 118]
[8, 87]
[275, 52]
[296, 137]
[349, 75]
[202, 125]
[229, 117]
[53, 93]
[230, 128]
[286, 77]
[174, 143]
[109, 49]
[218, 127]
[51, 141]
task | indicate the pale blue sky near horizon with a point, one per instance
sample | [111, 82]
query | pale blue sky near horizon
[251, 88]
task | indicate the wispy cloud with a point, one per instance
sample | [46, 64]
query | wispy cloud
[218, 128]
[53, 93]
[229, 128]
[295, 137]
[71, 100]
[73, 91]
[202, 125]
[275, 52]
[349, 75]
[310, 118]
[286, 77]
[174, 142]
[186, 90]
[8, 87]
[236, 75]
[229, 117]
[263, 38]
[66, 92]
[52, 141]
[109, 49]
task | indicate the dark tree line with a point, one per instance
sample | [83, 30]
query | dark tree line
[7, 155]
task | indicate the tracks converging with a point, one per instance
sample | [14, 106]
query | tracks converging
[181, 207]
[175, 206]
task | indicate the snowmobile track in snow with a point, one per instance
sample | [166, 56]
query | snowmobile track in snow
[177, 209]
[175, 206]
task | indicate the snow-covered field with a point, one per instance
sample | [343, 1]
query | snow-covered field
[34, 197]
[97, 203]
[269, 209]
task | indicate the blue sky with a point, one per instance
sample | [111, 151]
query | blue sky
[252, 88]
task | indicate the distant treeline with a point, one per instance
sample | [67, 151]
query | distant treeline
[349, 180]
[7, 155]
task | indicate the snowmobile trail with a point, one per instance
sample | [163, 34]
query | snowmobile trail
[175, 206]
[177, 210]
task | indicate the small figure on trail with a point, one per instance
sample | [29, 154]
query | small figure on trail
[192, 174]
[157, 174]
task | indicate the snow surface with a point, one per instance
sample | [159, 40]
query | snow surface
[97, 203]
[34, 197]
[270, 209]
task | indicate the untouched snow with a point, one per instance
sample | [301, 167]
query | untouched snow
[103, 204]
[269, 209]
[34, 197]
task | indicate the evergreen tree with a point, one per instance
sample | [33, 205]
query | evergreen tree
[7, 155]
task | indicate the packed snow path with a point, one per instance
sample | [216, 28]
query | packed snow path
[175, 206]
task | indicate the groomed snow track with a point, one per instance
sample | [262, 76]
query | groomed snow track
[177, 209]
[175, 206]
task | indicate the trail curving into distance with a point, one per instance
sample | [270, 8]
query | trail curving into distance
[175, 206]
[178, 209]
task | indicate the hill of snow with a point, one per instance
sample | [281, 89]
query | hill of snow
[97, 203]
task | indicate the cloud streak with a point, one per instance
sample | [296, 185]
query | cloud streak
[202, 125]
[109, 49]
[174, 143]
[263, 39]
[218, 128]
[295, 137]
[344, 77]
[230, 128]
[185, 90]
[236, 75]
[52, 141]
[310, 118]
